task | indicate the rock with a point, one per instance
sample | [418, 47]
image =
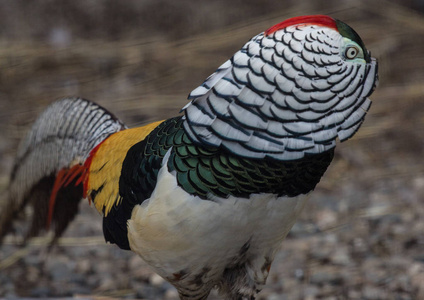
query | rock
[41, 291]
[171, 294]
[156, 280]
[416, 274]
[107, 283]
[340, 256]
[60, 269]
[83, 266]
[326, 218]
[310, 292]
[303, 229]
[275, 296]
[32, 274]
[299, 274]
[370, 292]
[8, 289]
[354, 294]
[326, 276]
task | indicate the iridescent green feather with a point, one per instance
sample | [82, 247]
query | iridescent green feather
[209, 171]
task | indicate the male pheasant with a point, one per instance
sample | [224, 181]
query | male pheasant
[206, 198]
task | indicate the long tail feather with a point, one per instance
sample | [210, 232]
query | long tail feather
[48, 169]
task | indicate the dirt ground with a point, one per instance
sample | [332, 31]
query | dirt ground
[361, 236]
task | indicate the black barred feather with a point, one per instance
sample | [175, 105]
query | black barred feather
[215, 172]
[286, 94]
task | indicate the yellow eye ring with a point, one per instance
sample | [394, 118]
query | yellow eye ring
[352, 52]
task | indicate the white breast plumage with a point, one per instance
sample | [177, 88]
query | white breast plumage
[177, 233]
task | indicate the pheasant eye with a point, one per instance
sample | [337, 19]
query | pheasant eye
[351, 52]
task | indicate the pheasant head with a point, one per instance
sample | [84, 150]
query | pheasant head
[288, 92]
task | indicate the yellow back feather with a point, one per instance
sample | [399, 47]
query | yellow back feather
[106, 165]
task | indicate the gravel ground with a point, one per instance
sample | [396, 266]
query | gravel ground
[361, 234]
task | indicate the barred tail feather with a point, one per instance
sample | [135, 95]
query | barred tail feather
[49, 165]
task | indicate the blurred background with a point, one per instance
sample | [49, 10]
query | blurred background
[361, 236]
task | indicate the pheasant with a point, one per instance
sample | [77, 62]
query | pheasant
[206, 197]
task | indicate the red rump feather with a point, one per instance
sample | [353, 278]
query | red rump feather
[77, 174]
[63, 178]
[321, 20]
